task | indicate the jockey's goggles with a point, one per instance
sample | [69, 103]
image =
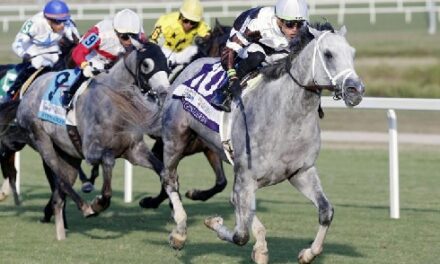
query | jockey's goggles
[293, 23]
[188, 21]
[56, 21]
[127, 36]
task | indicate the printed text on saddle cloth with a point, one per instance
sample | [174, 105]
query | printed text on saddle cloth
[197, 91]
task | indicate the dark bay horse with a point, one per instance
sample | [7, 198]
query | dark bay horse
[208, 47]
[112, 121]
[282, 121]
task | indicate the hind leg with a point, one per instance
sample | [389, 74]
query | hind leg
[174, 145]
[220, 179]
[10, 176]
[308, 183]
[60, 165]
[243, 199]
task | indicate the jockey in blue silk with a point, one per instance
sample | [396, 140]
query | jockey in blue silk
[37, 43]
[259, 35]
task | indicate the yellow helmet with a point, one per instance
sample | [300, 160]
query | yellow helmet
[192, 10]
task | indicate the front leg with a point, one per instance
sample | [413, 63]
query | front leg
[102, 202]
[308, 183]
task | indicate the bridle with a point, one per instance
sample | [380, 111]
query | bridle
[339, 92]
[141, 82]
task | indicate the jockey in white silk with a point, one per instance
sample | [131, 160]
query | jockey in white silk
[37, 37]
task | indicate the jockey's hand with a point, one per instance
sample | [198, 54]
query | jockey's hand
[27, 57]
[88, 70]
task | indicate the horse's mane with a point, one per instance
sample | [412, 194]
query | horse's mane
[304, 37]
[130, 104]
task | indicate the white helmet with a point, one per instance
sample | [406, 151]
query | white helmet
[292, 10]
[127, 21]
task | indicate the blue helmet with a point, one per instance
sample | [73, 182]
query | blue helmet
[56, 10]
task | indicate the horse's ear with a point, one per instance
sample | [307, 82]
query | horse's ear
[342, 31]
[316, 33]
[137, 44]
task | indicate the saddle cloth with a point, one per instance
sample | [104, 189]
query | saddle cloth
[50, 107]
[196, 93]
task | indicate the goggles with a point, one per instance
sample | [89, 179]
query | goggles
[293, 23]
[127, 36]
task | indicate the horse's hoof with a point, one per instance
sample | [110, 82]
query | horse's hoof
[196, 195]
[148, 203]
[100, 204]
[214, 222]
[177, 241]
[87, 187]
[3, 196]
[260, 256]
[306, 256]
[88, 211]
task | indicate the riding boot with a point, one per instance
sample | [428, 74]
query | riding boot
[68, 94]
[222, 99]
[22, 77]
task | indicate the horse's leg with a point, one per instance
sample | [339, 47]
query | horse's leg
[60, 168]
[243, 199]
[87, 185]
[260, 253]
[173, 152]
[308, 183]
[154, 202]
[102, 202]
[10, 176]
[220, 179]
[94, 174]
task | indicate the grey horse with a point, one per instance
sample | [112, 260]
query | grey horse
[283, 124]
[111, 124]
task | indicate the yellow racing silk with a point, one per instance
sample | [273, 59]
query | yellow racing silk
[168, 32]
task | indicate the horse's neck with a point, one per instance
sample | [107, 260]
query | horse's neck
[285, 97]
[119, 74]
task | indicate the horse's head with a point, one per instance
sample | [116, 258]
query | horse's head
[150, 69]
[333, 64]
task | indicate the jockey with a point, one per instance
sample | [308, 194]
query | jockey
[175, 32]
[259, 35]
[37, 43]
[103, 44]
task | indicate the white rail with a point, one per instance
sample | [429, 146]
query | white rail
[217, 9]
[390, 104]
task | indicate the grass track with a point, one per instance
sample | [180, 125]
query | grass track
[355, 180]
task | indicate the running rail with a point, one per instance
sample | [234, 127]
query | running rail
[390, 104]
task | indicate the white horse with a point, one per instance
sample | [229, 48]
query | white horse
[283, 126]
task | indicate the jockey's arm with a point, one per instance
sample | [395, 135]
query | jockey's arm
[23, 39]
[89, 42]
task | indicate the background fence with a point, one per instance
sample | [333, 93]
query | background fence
[216, 9]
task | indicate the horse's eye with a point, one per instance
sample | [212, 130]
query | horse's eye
[148, 66]
[328, 55]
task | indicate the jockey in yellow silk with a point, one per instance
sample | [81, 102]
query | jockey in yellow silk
[175, 32]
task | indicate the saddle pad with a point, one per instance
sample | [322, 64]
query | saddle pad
[196, 93]
[50, 108]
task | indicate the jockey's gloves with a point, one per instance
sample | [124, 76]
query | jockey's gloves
[89, 71]
[84, 64]
[27, 57]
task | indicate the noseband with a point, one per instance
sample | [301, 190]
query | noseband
[317, 88]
